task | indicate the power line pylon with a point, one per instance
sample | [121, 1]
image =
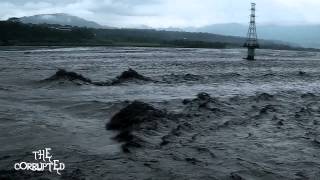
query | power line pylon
[252, 38]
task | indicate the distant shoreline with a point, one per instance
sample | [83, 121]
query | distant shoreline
[19, 34]
[55, 46]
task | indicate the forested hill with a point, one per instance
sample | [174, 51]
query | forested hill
[16, 33]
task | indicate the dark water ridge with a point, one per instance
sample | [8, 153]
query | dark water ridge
[133, 76]
[176, 114]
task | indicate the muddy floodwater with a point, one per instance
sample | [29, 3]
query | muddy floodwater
[188, 114]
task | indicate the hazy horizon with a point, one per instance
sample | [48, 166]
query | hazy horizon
[166, 13]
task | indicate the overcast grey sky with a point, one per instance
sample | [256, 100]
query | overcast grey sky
[169, 13]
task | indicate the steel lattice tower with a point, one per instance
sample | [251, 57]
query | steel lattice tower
[252, 38]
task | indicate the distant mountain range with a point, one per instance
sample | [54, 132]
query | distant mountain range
[13, 32]
[298, 35]
[302, 35]
[61, 19]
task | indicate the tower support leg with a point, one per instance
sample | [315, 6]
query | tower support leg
[251, 54]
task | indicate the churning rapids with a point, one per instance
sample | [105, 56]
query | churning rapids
[161, 113]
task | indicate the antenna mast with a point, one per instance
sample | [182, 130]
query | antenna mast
[252, 38]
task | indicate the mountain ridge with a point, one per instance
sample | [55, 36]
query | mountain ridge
[307, 36]
[61, 19]
[302, 35]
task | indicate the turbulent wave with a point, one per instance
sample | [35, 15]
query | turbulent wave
[207, 130]
[253, 120]
[62, 76]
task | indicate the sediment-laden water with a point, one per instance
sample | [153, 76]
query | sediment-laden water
[181, 113]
